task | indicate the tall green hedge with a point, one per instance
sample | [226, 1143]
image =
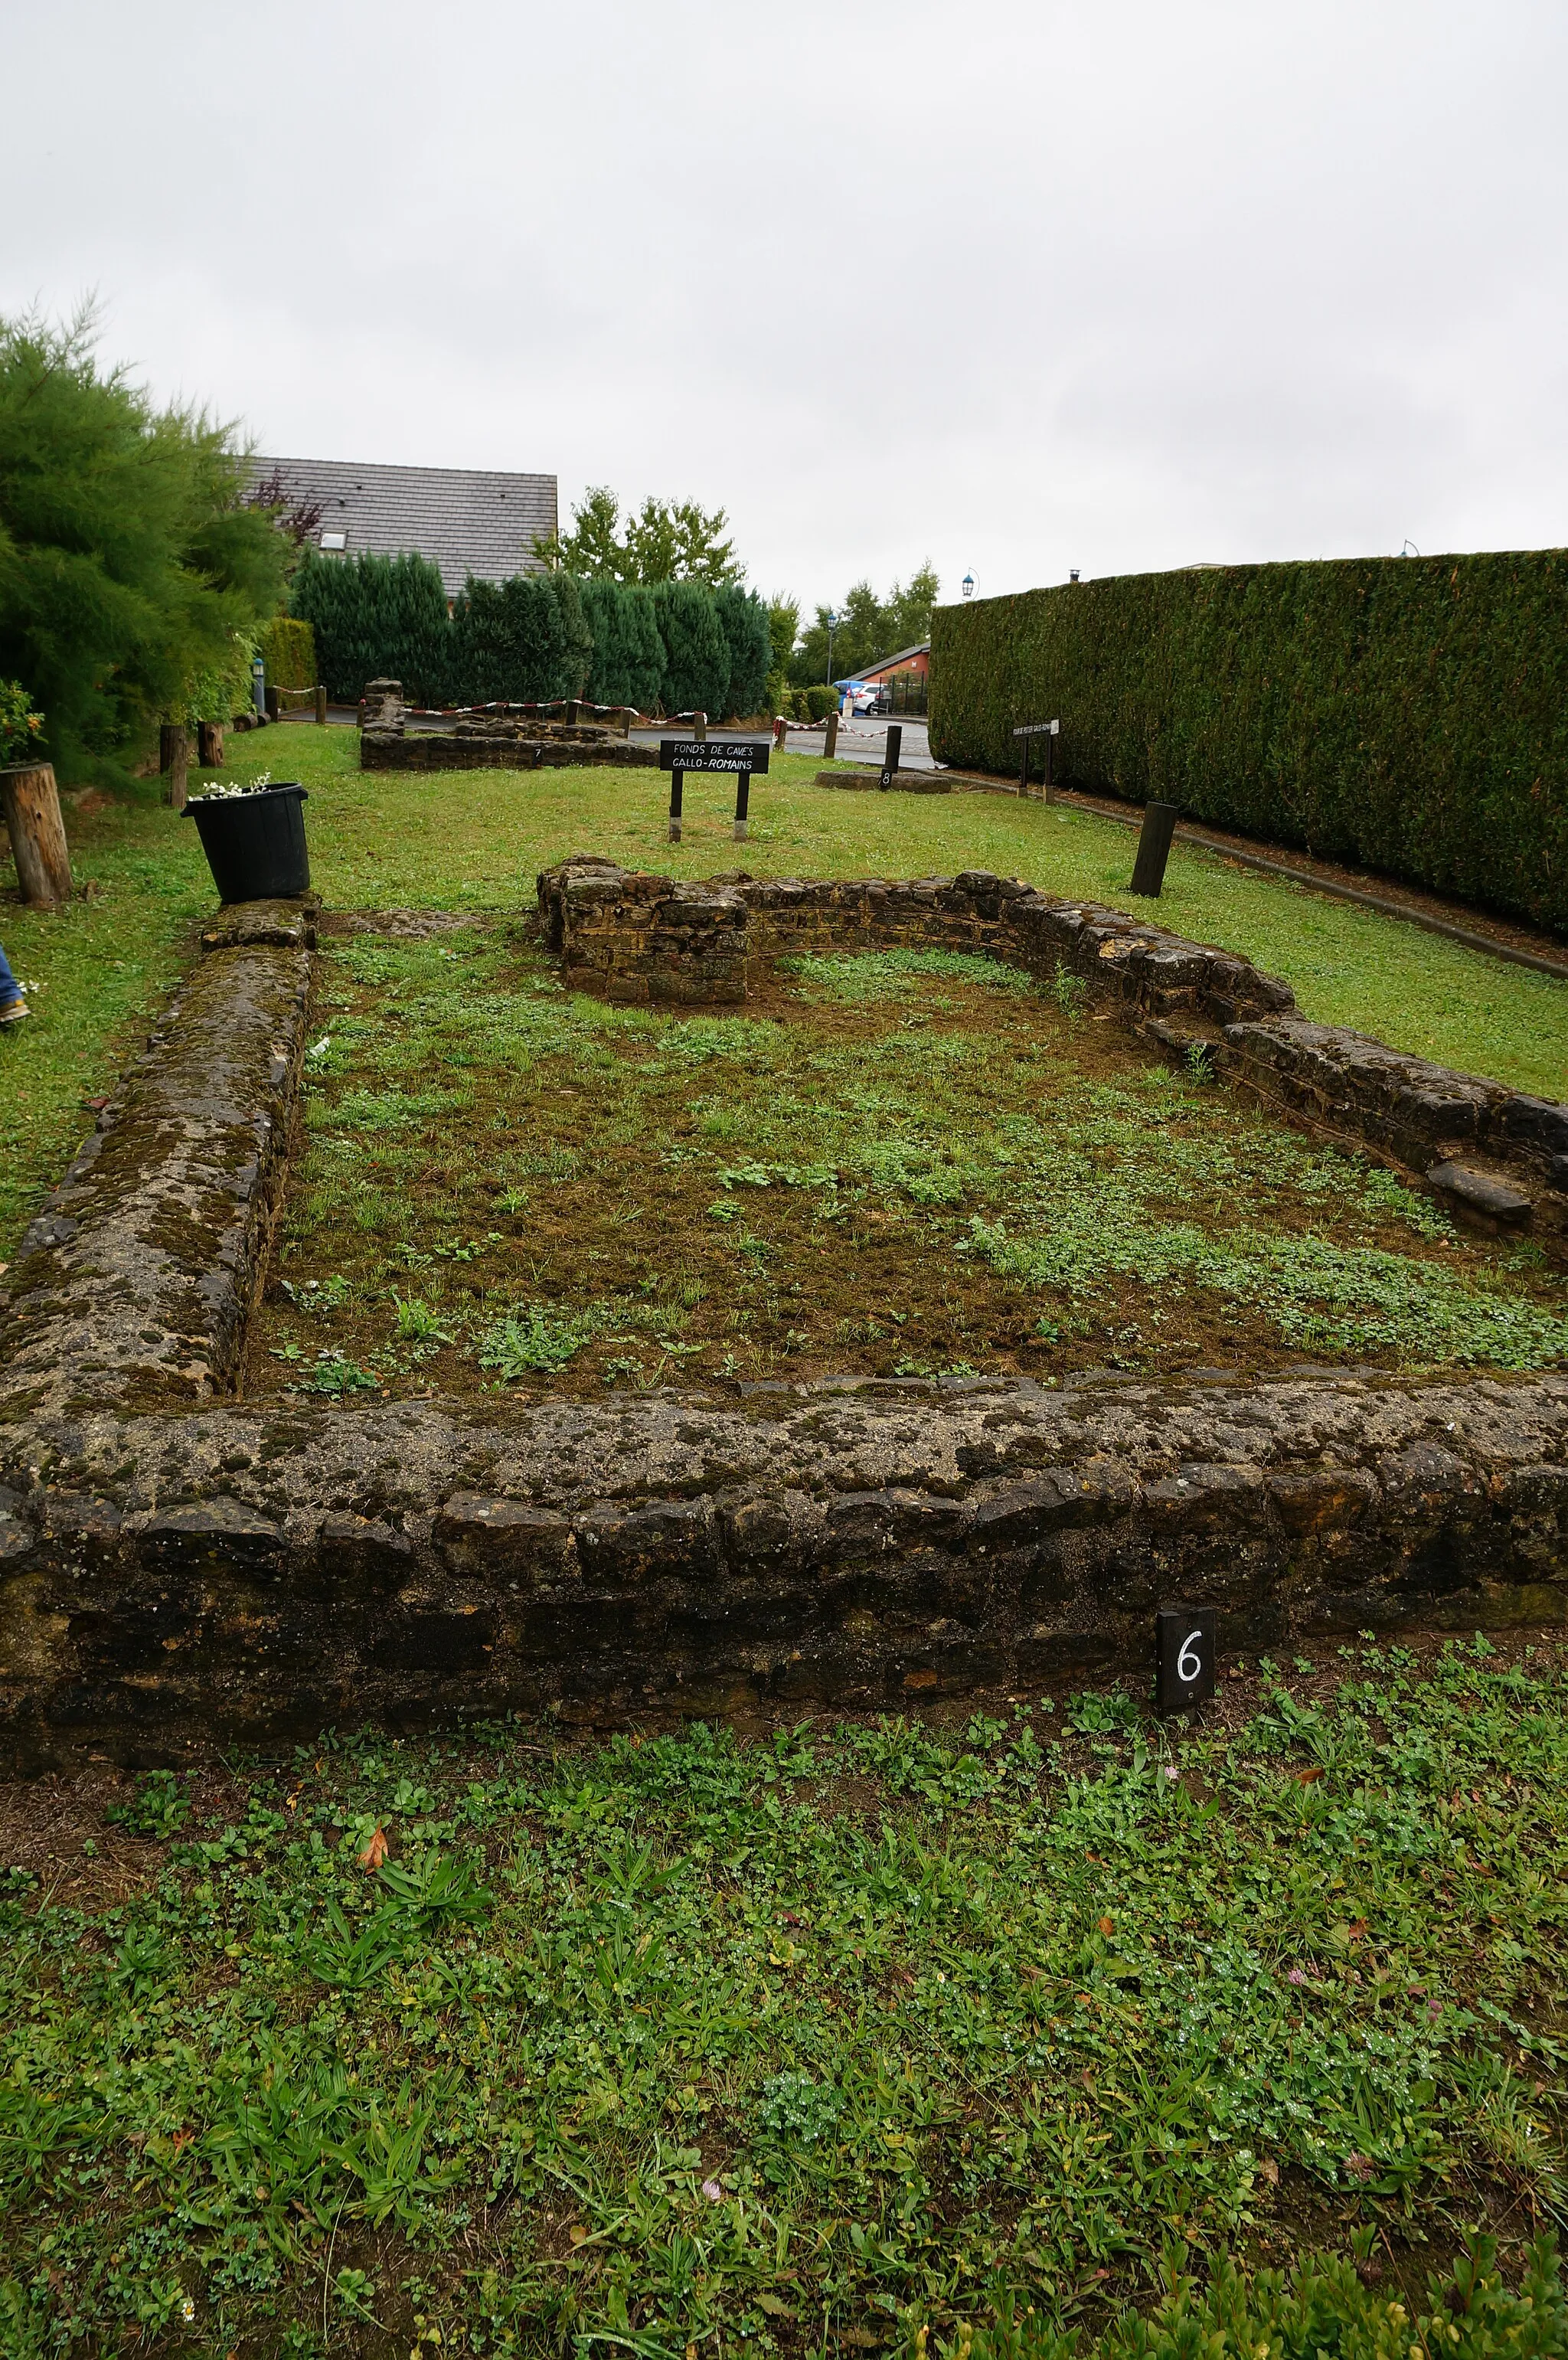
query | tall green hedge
[375, 618]
[518, 641]
[1410, 715]
[696, 651]
[628, 665]
[287, 646]
[743, 618]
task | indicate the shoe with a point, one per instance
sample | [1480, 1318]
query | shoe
[14, 1012]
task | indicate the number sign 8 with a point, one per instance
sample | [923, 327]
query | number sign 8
[1184, 1648]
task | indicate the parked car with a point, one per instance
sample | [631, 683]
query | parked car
[863, 695]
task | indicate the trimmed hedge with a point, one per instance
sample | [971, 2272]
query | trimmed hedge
[1410, 715]
[743, 618]
[696, 651]
[518, 641]
[288, 648]
[375, 618]
[627, 664]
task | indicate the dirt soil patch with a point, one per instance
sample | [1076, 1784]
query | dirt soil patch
[901, 1164]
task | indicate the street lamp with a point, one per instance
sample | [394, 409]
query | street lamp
[833, 622]
[969, 585]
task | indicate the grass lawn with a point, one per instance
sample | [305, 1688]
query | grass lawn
[681, 2045]
[101, 966]
[901, 1164]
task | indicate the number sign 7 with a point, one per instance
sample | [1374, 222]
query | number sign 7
[1185, 1646]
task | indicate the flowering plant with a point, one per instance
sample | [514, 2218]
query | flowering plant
[21, 729]
[216, 795]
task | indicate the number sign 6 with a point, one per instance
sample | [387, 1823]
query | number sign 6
[1184, 1639]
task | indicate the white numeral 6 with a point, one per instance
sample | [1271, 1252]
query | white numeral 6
[1188, 1662]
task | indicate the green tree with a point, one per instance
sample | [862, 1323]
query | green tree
[129, 563]
[868, 627]
[666, 540]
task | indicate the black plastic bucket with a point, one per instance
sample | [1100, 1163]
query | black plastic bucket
[255, 844]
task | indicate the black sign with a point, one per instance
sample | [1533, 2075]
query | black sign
[1185, 1640]
[744, 756]
[892, 755]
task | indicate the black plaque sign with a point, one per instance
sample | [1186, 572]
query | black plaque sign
[742, 757]
[1185, 1638]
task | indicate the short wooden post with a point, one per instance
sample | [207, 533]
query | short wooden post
[31, 803]
[573, 712]
[780, 732]
[830, 743]
[1153, 848]
[210, 745]
[320, 706]
[891, 754]
[174, 761]
[274, 704]
[699, 727]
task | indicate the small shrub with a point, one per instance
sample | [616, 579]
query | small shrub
[21, 729]
[160, 1806]
[820, 702]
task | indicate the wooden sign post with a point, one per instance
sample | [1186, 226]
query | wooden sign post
[1048, 730]
[741, 759]
[1154, 847]
[890, 755]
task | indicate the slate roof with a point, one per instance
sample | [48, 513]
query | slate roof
[467, 520]
[872, 671]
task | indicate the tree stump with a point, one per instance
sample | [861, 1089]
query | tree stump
[31, 803]
[174, 761]
[210, 745]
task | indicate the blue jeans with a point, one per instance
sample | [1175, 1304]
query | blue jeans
[10, 988]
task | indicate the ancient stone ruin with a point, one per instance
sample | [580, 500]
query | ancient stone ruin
[179, 1565]
[496, 737]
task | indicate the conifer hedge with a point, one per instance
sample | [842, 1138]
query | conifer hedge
[743, 618]
[628, 663]
[288, 649]
[518, 641]
[375, 618]
[696, 651]
[1410, 715]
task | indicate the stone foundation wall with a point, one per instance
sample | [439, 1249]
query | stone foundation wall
[493, 740]
[250, 1574]
[1498, 1158]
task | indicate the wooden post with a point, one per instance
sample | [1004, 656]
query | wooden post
[780, 732]
[830, 743]
[274, 704]
[699, 727]
[210, 745]
[31, 803]
[891, 754]
[320, 706]
[174, 761]
[1153, 848]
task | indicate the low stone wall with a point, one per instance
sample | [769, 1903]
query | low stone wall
[491, 740]
[250, 1574]
[135, 1282]
[1498, 1158]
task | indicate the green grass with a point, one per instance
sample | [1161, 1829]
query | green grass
[476, 839]
[895, 1165]
[792, 2046]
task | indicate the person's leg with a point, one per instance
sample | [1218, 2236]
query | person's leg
[10, 990]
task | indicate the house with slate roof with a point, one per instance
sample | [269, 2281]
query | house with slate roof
[466, 519]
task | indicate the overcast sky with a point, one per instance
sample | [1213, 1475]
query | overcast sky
[1119, 284]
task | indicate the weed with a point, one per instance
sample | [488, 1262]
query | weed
[537, 1336]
